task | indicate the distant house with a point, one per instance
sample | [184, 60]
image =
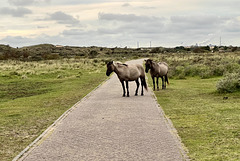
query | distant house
[59, 46]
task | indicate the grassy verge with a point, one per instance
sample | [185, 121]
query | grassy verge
[34, 94]
[207, 122]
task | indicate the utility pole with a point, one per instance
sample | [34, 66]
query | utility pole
[220, 41]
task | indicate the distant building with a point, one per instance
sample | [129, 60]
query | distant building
[59, 46]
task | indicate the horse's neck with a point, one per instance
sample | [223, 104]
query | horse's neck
[116, 69]
[154, 66]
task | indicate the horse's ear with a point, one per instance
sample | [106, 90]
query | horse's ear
[151, 61]
[145, 60]
[109, 63]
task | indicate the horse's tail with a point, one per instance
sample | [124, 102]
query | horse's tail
[166, 79]
[144, 83]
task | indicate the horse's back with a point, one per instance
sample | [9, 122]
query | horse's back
[135, 71]
[160, 69]
[163, 68]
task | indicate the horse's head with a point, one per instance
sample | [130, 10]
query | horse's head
[148, 65]
[110, 68]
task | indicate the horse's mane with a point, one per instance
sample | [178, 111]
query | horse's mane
[163, 63]
[120, 63]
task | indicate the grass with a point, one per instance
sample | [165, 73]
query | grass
[34, 94]
[207, 122]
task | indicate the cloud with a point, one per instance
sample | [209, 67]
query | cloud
[126, 5]
[232, 25]
[26, 2]
[18, 12]
[63, 18]
[126, 17]
[197, 24]
[131, 23]
[42, 27]
[74, 32]
[111, 22]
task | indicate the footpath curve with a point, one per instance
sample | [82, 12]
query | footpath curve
[106, 126]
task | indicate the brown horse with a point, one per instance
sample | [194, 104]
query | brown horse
[157, 70]
[131, 72]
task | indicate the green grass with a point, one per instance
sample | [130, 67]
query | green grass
[34, 94]
[207, 123]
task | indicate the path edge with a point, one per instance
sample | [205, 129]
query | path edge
[182, 148]
[43, 135]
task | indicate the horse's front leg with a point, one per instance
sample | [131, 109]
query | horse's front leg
[123, 88]
[127, 89]
[153, 83]
[137, 82]
[157, 83]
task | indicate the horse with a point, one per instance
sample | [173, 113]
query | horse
[128, 72]
[157, 70]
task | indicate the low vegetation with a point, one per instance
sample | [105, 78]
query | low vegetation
[206, 121]
[203, 102]
[52, 52]
[38, 83]
[34, 94]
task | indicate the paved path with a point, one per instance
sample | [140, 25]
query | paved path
[106, 126]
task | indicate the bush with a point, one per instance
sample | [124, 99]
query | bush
[230, 83]
[155, 50]
[179, 72]
[93, 54]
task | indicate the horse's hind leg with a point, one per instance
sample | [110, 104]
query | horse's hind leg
[165, 82]
[163, 86]
[127, 89]
[142, 83]
[157, 83]
[123, 88]
[153, 83]
[137, 82]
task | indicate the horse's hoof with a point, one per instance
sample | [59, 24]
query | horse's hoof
[142, 94]
[124, 95]
[136, 94]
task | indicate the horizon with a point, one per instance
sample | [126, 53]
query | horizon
[147, 47]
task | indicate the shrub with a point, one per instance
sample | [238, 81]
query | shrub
[179, 72]
[218, 70]
[230, 83]
[93, 54]
[155, 50]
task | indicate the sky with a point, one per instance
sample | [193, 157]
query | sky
[114, 23]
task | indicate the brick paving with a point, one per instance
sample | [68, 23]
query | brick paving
[106, 126]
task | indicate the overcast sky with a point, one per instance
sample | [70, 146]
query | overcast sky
[113, 23]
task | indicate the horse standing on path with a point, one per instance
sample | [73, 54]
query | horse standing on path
[157, 70]
[125, 72]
